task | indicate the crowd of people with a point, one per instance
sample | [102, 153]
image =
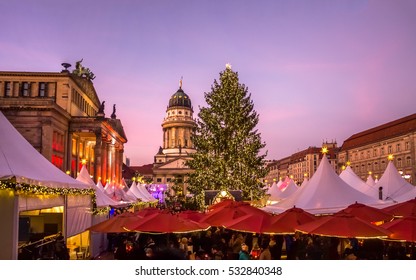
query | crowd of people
[223, 244]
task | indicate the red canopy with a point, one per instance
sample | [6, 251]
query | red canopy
[191, 215]
[287, 221]
[368, 213]
[165, 222]
[115, 224]
[220, 216]
[402, 228]
[343, 225]
[254, 223]
[406, 208]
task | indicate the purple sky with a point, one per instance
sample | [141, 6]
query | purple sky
[317, 70]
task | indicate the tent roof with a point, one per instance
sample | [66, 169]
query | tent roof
[102, 200]
[352, 179]
[394, 186]
[20, 161]
[325, 193]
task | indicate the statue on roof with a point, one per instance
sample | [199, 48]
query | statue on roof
[83, 71]
[101, 109]
[113, 115]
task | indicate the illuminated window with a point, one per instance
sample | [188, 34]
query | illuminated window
[398, 147]
[389, 149]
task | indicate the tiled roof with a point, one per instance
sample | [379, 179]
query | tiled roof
[392, 129]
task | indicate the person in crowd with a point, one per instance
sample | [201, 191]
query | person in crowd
[265, 252]
[244, 254]
[216, 253]
[235, 244]
[61, 251]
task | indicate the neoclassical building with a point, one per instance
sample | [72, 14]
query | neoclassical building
[61, 115]
[177, 126]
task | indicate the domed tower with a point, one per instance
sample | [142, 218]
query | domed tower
[178, 126]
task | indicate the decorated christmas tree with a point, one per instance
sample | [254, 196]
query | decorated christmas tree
[227, 142]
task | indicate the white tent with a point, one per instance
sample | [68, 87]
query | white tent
[102, 200]
[394, 187]
[100, 186]
[290, 189]
[25, 177]
[352, 179]
[274, 193]
[144, 193]
[325, 193]
[370, 181]
[305, 181]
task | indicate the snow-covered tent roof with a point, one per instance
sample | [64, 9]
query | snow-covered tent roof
[395, 188]
[352, 179]
[325, 193]
[21, 162]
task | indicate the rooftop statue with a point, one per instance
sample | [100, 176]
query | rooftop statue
[83, 71]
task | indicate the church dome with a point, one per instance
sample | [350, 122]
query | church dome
[180, 98]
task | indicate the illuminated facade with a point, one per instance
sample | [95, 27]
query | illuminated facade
[60, 114]
[367, 151]
[302, 164]
[178, 125]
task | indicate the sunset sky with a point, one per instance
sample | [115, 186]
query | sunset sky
[316, 70]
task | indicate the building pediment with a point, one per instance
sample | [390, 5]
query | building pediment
[179, 163]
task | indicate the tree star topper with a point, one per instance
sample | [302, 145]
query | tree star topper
[228, 66]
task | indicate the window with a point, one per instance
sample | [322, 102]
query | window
[159, 180]
[408, 161]
[25, 89]
[398, 147]
[399, 162]
[389, 149]
[382, 151]
[168, 180]
[42, 89]
[374, 152]
[407, 146]
[8, 89]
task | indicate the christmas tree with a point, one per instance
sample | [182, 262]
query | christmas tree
[227, 142]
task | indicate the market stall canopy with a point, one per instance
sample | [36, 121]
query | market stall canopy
[288, 221]
[368, 213]
[343, 225]
[403, 229]
[405, 208]
[325, 193]
[165, 222]
[22, 163]
[102, 200]
[228, 211]
[352, 179]
[394, 187]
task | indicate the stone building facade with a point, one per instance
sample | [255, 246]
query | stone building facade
[301, 165]
[169, 165]
[367, 152]
[61, 115]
